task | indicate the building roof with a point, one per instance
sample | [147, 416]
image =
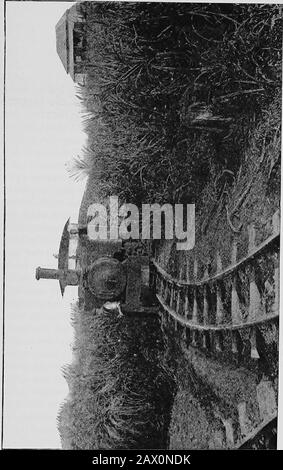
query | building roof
[62, 40]
[64, 37]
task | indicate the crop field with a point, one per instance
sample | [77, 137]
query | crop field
[181, 102]
[173, 93]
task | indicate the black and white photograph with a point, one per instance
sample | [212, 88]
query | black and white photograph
[141, 196]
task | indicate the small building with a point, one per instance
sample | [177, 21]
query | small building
[71, 42]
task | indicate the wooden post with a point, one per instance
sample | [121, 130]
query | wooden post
[186, 307]
[178, 299]
[205, 274]
[193, 335]
[235, 304]
[229, 432]
[254, 351]
[195, 269]
[234, 343]
[276, 222]
[171, 296]
[255, 301]
[167, 292]
[218, 341]
[187, 270]
[275, 306]
[205, 307]
[251, 235]
[204, 342]
[266, 399]
[175, 325]
[255, 306]
[219, 305]
[195, 308]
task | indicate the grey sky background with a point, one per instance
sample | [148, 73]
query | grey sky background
[43, 132]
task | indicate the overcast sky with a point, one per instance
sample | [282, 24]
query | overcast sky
[43, 132]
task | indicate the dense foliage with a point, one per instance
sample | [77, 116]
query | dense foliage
[120, 390]
[173, 92]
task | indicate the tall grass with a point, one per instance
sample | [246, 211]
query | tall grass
[120, 389]
[173, 91]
